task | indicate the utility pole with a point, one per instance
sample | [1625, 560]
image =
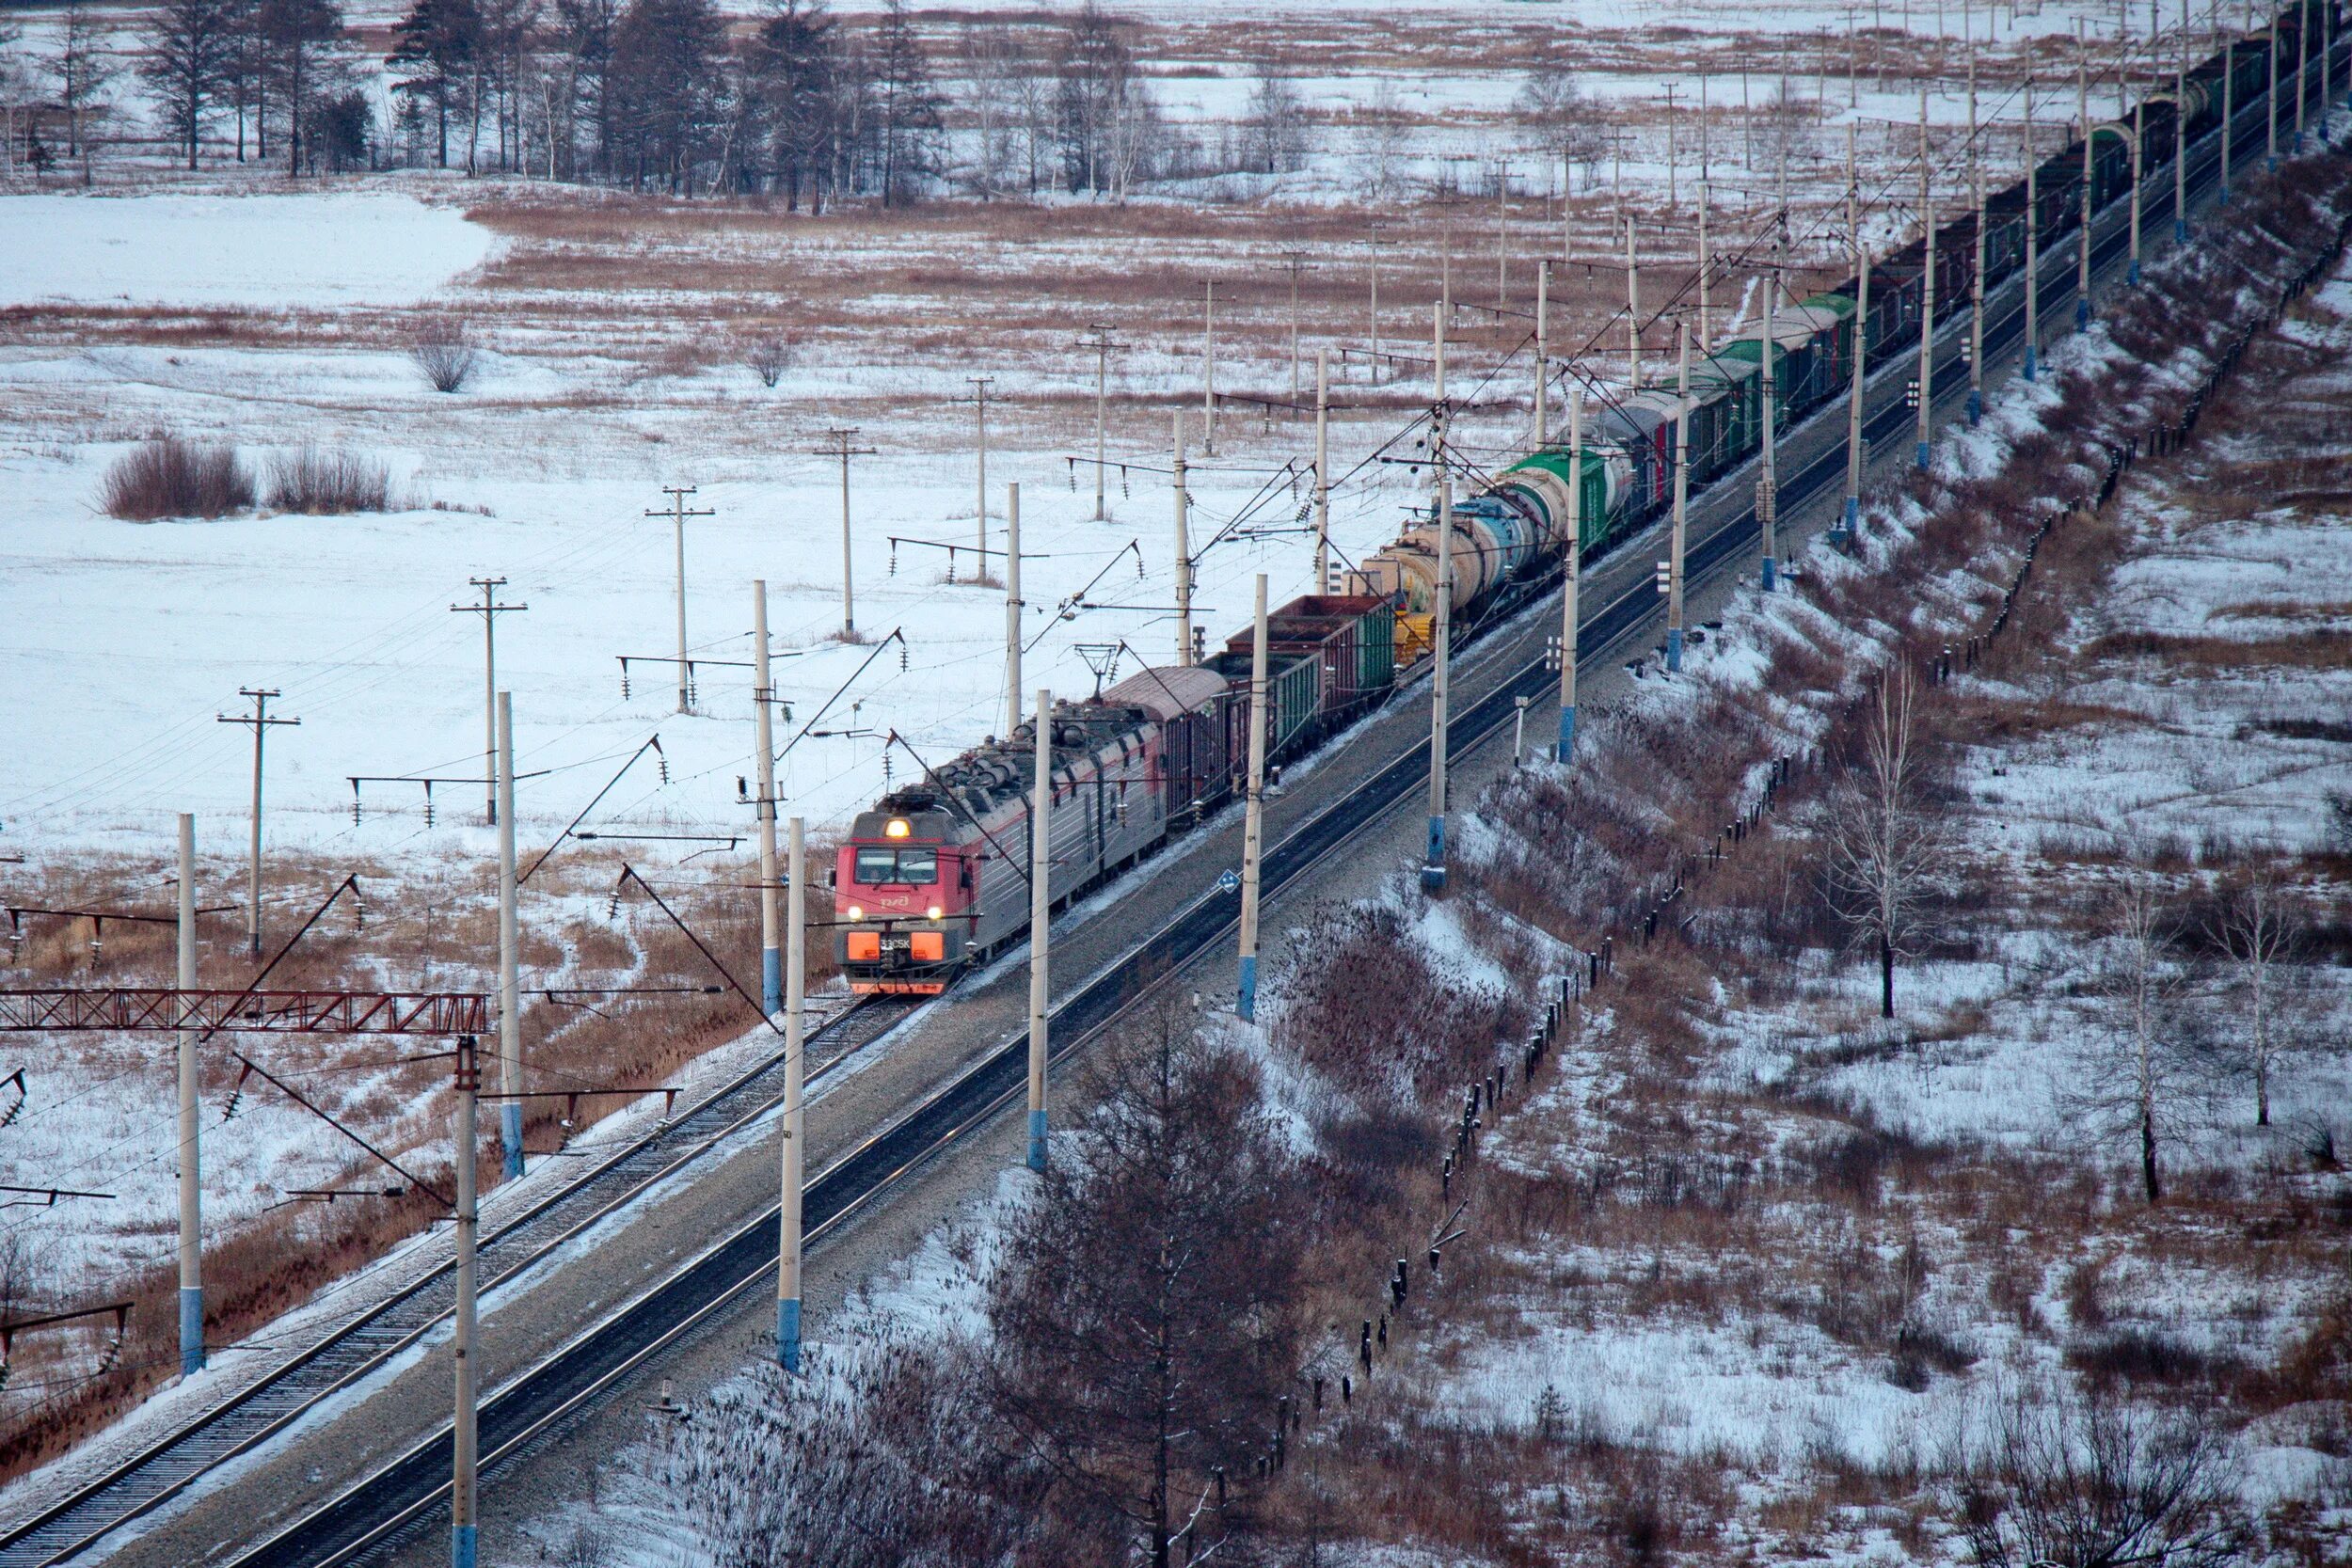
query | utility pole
[489, 609]
[1433, 868]
[1707, 334]
[462, 1531]
[2302, 64]
[262, 724]
[1208, 366]
[841, 448]
[2082, 110]
[1682, 494]
[1572, 563]
[2229, 109]
[1502, 236]
[1542, 350]
[1183, 555]
[1373, 246]
[979, 479]
[2180, 141]
[1102, 345]
[1253, 817]
[191, 1163]
[1040, 920]
[1632, 309]
[2270, 105]
[793, 1152]
[1975, 277]
[2139, 130]
[1296, 261]
[1861, 341]
[1013, 607]
[510, 986]
[764, 808]
[1322, 470]
[1926, 288]
[2033, 240]
[1768, 474]
[678, 512]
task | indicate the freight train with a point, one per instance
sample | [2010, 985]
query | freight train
[935, 877]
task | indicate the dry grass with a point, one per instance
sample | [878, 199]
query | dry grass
[431, 930]
[174, 478]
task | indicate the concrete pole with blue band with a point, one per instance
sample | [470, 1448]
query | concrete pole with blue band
[191, 1163]
[463, 1447]
[1253, 815]
[2082, 113]
[1571, 565]
[510, 946]
[1433, 866]
[2033, 243]
[763, 725]
[795, 1100]
[1040, 920]
[1768, 475]
[1683, 486]
[1976, 281]
[1926, 288]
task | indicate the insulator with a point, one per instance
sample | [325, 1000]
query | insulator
[1124, 494]
[662, 764]
[428, 802]
[894, 559]
[113, 1353]
[902, 656]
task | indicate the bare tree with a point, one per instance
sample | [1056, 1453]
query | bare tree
[1557, 117]
[190, 48]
[2139, 1079]
[1381, 137]
[1144, 1318]
[1276, 125]
[81, 67]
[1886, 846]
[2090, 1481]
[2257, 930]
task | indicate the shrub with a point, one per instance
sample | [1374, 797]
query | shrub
[770, 355]
[172, 478]
[441, 352]
[328, 483]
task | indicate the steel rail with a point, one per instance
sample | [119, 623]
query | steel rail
[366, 1342]
[529, 1407]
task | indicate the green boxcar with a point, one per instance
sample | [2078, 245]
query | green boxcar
[1376, 650]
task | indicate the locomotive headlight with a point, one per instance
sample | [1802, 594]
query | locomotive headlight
[857, 911]
[897, 828]
[935, 912]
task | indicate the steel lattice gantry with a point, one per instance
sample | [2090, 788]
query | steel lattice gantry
[284, 1012]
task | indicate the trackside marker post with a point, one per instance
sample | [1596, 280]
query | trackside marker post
[795, 1109]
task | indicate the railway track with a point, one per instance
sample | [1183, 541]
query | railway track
[402, 1496]
[360, 1347]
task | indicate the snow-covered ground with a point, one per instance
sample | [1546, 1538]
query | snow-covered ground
[322, 251]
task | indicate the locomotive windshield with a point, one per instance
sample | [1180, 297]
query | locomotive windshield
[878, 865]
